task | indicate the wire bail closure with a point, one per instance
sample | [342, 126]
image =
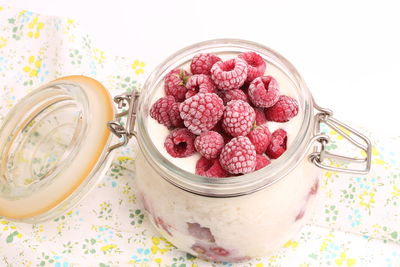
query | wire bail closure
[320, 153]
[123, 125]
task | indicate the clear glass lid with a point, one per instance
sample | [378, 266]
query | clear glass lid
[52, 143]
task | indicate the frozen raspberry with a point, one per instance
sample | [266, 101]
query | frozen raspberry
[256, 65]
[220, 251]
[146, 205]
[175, 84]
[210, 168]
[245, 87]
[260, 137]
[202, 63]
[219, 129]
[260, 116]
[301, 213]
[261, 161]
[238, 118]
[229, 74]
[166, 111]
[209, 144]
[165, 226]
[180, 143]
[199, 249]
[189, 94]
[238, 156]
[285, 109]
[264, 91]
[201, 112]
[277, 145]
[201, 233]
[234, 94]
[199, 83]
[175, 116]
[314, 188]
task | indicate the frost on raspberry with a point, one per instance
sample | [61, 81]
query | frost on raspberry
[284, 110]
[166, 111]
[238, 156]
[262, 161]
[264, 91]
[202, 63]
[199, 83]
[278, 143]
[256, 65]
[209, 144]
[260, 116]
[238, 118]
[230, 74]
[260, 137]
[180, 143]
[220, 251]
[210, 168]
[175, 84]
[234, 94]
[201, 112]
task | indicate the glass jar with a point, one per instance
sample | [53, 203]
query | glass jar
[233, 219]
[56, 144]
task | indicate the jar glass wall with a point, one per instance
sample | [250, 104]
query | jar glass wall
[228, 219]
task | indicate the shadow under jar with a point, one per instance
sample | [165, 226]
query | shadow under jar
[237, 218]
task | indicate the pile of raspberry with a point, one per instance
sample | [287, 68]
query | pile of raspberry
[220, 110]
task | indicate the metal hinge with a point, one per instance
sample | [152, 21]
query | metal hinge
[320, 153]
[123, 125]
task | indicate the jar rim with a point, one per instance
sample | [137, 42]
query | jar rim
[230, 186]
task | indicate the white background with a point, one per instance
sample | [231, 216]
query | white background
[347, 51]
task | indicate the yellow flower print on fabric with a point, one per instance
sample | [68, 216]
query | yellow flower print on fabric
[3, 42]
[21, 13]
[98, 55]
[124, 158]
[1, 8]
[272, 259]
[160, 245]
[33, 67]
[35, 26]
[344, 261]
[337, 135]
[375, 157]
[108, 247]
[138, 66]
[11, 229]
[291, 244]
[367, 199]
[396, 191]
[376, 230]
[325, 243]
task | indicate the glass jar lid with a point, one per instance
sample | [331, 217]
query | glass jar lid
[53, 144]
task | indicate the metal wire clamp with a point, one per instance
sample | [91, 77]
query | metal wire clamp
[320, 154]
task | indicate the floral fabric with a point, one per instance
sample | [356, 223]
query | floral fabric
[357, 222]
